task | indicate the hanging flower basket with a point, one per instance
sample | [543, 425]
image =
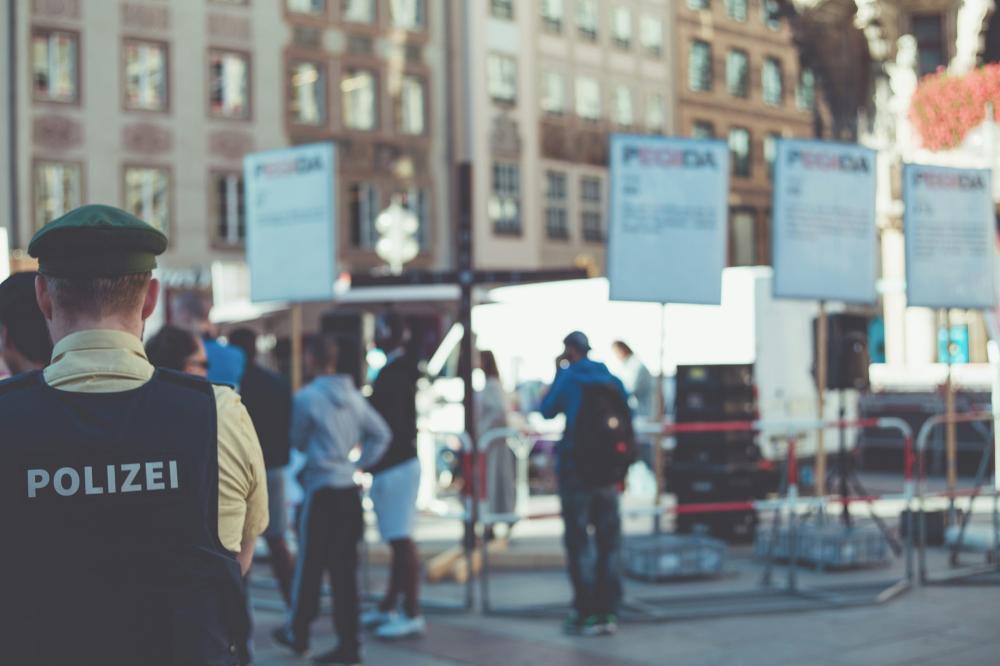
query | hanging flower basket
[945, 107]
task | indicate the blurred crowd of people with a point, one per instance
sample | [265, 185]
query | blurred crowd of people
[341, 433]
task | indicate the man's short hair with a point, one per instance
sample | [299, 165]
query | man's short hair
[324, 350]
[99, 297]
[171, 347]
[245, 339]
[24, 322]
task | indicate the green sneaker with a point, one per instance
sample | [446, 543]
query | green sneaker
[582, 626]
[609, 624]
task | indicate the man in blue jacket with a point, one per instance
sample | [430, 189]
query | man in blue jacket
[597, 587]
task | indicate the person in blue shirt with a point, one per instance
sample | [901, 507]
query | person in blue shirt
[226, 363]
[596, 580]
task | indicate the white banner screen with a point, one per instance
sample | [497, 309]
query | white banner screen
[823, 228]
[668, 222]
[948, 222]
[291, 221]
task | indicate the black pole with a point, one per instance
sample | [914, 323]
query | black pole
[14, 222]
[844, 489]
[466, 280]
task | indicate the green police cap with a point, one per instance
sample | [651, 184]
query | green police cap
[96, 242]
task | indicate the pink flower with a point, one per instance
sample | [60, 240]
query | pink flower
[945, 108]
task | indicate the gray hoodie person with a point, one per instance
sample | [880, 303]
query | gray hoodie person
[329, 418]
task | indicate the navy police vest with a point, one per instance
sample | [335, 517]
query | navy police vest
[109, 505]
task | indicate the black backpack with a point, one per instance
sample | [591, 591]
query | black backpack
[604, 445]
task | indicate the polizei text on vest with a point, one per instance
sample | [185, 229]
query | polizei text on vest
[104, 480]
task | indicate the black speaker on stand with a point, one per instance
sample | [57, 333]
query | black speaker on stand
[847, 364]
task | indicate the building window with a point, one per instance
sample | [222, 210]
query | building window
[651, 34]
[307, 7]
[702, 129]
[623, 106]
[505, 202]
[739, 150]
[411, 105]
[928, 29]
[805, 96]
[553, 93]
[556, 215]
[358, 89]
[552, 15]
[770, 14]
[588, 98]
[407, 14]
[501, 78]
[771, 80]
[230, 227]
[58, 190]
[307, 103]
[229, 76]
[737, 9]
[771, 151]
[700, 66]
[698, 4]
[743, 238]
[621, 27]
[362, 209]
[591, 211]
[55, 58]
[654, 113]
[145, 75]
[359, 11]
[147, 195]
[738, 73]
[502, 9]
[587, 19]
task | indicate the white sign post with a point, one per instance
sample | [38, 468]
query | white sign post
[668, 222]
[949, 227]
[291, 218]
[668, 229]
[824, 233]
[948, 223]
[824, 240]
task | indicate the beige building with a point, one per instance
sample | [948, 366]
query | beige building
[368, 75]
[541, 86]
[151, 106]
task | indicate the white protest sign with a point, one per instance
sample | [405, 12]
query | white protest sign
[948, 222]
[668, 222]
[823, 229]
[291, 222]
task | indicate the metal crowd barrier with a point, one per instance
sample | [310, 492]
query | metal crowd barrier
[791, 597]
[990, 571]
[428, 603]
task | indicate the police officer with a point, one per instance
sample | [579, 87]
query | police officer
[132, 496]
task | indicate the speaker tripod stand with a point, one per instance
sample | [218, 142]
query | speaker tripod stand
[847, 479]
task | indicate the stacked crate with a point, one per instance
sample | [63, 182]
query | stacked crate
[718, 467]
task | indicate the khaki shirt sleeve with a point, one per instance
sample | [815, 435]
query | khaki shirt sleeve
[242, 476]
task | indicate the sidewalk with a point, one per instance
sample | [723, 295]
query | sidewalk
[934, 626]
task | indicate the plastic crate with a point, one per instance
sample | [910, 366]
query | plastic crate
[829, 547]
[665, 557]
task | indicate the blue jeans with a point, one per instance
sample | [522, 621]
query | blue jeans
[594, 565]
